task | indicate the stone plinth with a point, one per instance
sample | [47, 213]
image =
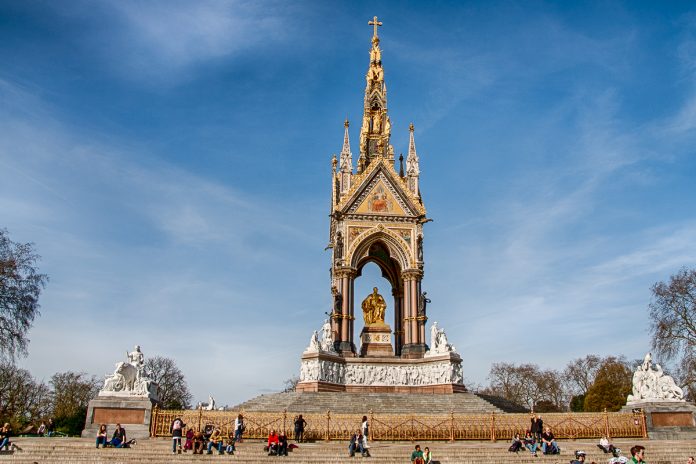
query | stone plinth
[328, 372]
[133, 413]
[375, 341]
[667, 420]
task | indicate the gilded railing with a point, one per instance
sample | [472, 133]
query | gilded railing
[408, 427]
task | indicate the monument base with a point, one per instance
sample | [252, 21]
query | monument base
[375, 341]
[667, 420]
[133, 413]
[330, 372]
[414, 350]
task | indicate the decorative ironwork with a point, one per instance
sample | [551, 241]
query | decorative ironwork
[409, 427]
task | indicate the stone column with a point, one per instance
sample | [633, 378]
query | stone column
[414, 343]
[351, 313]
[346, 278]
[398, 318]
[405, 326]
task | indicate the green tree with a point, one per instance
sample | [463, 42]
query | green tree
[20, 287]
[173, 390]
[611, 386]
[673, 328]
[23, 400]
[71, 393]
[577, 403]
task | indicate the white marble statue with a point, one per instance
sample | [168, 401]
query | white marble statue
[327, 343]
[129, 378]
[438, 342]
[652, 385]
[313, 343]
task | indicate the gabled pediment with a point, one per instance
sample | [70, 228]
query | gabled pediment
[380, 191]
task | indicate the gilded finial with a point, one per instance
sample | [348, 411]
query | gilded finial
[346, 124]
[410, 127]
[334, 162]
[375, 23]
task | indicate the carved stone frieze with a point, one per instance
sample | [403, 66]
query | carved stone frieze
[372, 374]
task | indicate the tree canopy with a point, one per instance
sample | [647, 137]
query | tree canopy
[673, 327]
[71, 392]
[611, 386]
[20, 287]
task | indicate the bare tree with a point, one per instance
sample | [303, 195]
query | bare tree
[22, 399]
[673, 328]
[20, 286]
[291, 384]
[527, 385]
[173, 390]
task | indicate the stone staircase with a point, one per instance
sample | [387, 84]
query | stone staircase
[393, 403]
[158, 451]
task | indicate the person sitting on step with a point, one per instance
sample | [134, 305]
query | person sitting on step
[356, 444]
[188, 445]
[101, 436]
[198, 442]
[548, 442]
[516, 444]
[530, 443]
[230, 448]
[417, 456]
[427, 456]
[118, 440]
[606, 446]
[215, 441]
[282, 444]
[272, 444]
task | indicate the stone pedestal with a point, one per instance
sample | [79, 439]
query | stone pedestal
[133, 413]
[414, 350]
[667, 420]
[330, 372]
[375, 341]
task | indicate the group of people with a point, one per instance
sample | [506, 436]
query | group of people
[209, 438]
[537, 437]
[637, 455]
[421, 457]
[358, 441]
[118, 439]
[277, 444]
[46, 429]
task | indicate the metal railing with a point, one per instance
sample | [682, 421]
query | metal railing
[408, 427]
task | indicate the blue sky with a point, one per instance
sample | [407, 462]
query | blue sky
[171, 162]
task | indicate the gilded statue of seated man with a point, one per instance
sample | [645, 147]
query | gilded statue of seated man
[373, 308]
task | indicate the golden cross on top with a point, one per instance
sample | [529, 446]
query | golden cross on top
[375, 23]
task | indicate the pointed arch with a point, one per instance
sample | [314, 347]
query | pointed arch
[360, 247]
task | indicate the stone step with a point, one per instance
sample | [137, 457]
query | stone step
[156, 451]
[341, 402]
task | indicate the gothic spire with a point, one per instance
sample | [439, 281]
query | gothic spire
[346, 156]
[376, 125]
[412, 167]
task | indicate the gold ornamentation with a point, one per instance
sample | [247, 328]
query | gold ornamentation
[373, 308]
[399, 427]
